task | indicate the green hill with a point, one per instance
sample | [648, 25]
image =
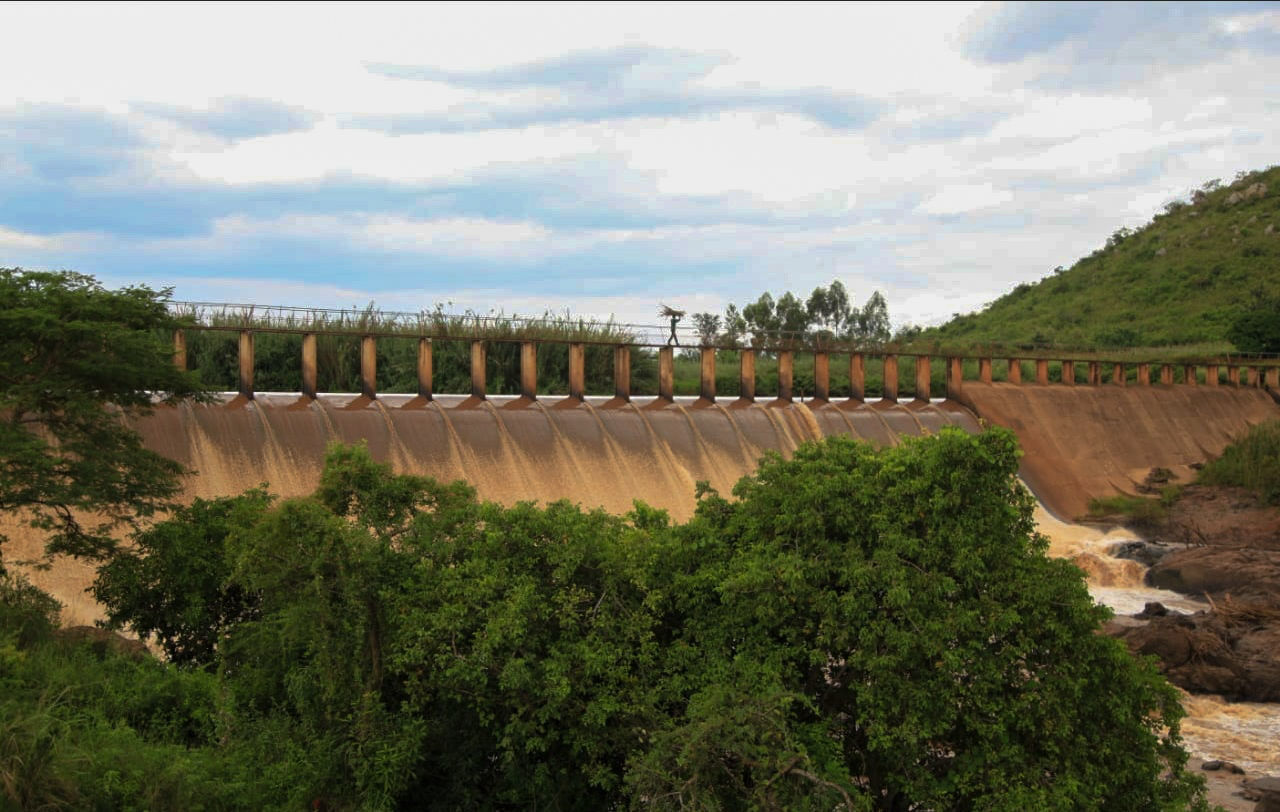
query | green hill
[1181, 279]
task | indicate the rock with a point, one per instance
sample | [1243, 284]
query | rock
[1234, 198]
[1258, 189]
[1244, 573]
[1251, 220]
[1266, 791]
[1270, 228]
[1233, 654]
[1152, 609]
[1147, 553]
[1225, 766]
[103, 642]
[1160, 252]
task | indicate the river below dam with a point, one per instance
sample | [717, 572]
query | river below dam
[1244, 733]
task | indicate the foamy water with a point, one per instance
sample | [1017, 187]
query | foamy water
[1245, 733]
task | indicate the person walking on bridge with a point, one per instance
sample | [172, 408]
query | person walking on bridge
[668, 312]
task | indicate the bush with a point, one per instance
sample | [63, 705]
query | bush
[1251, 462]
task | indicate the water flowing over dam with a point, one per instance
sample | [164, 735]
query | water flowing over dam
[590, 452]
[1079, 442]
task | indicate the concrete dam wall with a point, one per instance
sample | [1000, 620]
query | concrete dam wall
[1079, 442]
[511, 450]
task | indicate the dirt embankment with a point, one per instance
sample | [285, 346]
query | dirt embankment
[1223, 544]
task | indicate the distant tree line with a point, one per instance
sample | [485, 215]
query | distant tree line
[828, 316]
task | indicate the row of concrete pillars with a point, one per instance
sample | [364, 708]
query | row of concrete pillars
[1253, 375]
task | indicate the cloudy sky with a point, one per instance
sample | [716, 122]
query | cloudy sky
[600, 157]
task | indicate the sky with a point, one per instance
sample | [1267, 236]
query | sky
[602, 158]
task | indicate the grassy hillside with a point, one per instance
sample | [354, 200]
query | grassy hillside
[1180, 279]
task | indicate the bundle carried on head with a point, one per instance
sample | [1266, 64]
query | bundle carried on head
[669, 312]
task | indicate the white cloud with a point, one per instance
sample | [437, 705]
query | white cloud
[967, 198]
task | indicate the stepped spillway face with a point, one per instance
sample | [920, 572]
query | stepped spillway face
[1085, 442]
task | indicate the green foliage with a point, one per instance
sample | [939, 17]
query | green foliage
[1140, 512]
[73, 357]
[1187, 277]
[1257, 327]
[1251, 462]
[26, 612]
[172, 583]
[857, 628]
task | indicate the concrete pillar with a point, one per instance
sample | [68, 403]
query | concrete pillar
[1251, 377]
[891, 378]
[1273, 377]
[1069, 373]
[529, 370]
[955, 377]
[1233, 375]
[707, 374]
[1118, 375]
[369, 366]
[1095, 373]
[1144, 374]
[479, 357]
[424, 368]
[1211, 374]
[309, 370]
[246, 363]
[924, 378]
[785, 374]
[747, 375]
[857, 377]
[1189, 374]
[577, 370]
[180, 350]
[1042, 372]
[666, 374]
[1166, 374]
[821, 376]
[984, 370]
[622, 372]
[1015, 370]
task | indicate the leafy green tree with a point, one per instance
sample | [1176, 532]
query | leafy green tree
[830, 311]
[75, 359]
[855, 629]
[187, 550]
[1257, 327]
[885, 626]
[873, 320]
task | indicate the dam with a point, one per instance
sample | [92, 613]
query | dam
[1089, 427]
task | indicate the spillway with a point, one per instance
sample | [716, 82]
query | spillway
[593, 452]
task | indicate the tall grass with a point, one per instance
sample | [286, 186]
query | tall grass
[1251, 462]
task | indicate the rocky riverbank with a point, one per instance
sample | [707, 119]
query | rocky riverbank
[1221, 545]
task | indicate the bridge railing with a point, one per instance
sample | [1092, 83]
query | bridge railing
[957, 369]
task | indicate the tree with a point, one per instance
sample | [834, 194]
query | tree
[77, 361]
[873, 320]
[829, 309]
[708, 327]
[761, 319]
[1257, 328]
[855, 629]
[173, 582]
[735, 326]
[882, 630]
